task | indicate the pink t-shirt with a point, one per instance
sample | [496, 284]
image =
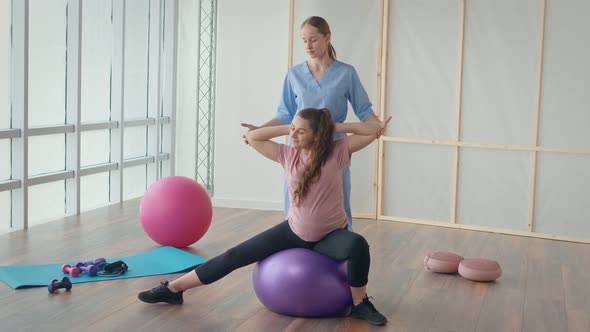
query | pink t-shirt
[322, 209]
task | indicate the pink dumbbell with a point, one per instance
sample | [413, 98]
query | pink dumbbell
[73, 271]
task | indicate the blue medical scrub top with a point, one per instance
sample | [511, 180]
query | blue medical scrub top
[339, 85]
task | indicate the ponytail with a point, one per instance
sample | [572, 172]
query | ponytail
[320, 121]
[331, 52]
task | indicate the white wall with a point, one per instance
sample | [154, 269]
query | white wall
[252, 53]
[188, 38]
[498, 110]
[563, 179]
[251, 64]
[498, 106]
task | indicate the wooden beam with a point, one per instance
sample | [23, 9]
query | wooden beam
[458, 114]
[533, 180]
[383, 74]
[484, 229]
[487, 145]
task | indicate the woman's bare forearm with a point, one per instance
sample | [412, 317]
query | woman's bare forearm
[267, 133]
[367, 128]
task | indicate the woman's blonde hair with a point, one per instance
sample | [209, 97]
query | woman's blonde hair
[322, 25]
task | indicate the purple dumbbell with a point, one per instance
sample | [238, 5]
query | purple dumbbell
[91, 270]
[99, 263]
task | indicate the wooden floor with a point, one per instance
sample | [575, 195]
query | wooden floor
[545, 286]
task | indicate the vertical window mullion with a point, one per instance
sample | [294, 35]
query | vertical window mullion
[73, 103]
[20, 112]
[154, 89]
[169, 51]
[118, 100]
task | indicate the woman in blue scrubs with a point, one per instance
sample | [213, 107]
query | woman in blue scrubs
[322, 82]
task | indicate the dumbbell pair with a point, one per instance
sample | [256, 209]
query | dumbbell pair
[99, 263]
[90, 267]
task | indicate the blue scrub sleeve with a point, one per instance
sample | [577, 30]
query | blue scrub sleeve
[359, 99]
[287, 106]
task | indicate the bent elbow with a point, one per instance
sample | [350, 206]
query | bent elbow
[375, 127]
[249, 137]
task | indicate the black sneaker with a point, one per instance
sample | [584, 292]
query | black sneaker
[161, 294]
[366, 310]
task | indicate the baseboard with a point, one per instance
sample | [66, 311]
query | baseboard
[248, 204]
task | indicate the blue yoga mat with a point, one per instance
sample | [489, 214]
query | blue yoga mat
[163, 260]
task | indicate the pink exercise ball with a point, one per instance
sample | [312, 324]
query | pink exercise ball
[175, 211]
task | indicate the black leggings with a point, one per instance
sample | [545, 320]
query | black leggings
[340, 245]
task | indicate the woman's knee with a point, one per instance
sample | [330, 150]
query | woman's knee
[359, 262]
[231, 257]
[359, 243]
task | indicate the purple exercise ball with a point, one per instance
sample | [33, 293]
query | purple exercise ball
[303, 283]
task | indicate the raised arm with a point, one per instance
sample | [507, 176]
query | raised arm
[363, 133]
[260, 140]
[270, 123]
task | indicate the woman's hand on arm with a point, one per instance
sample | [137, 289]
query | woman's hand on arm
[272, 122]
[373, 118]
[260, 140]
[359, 140]
[367, 128]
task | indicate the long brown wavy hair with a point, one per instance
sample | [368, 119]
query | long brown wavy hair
[324, 28]
[322, 126]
